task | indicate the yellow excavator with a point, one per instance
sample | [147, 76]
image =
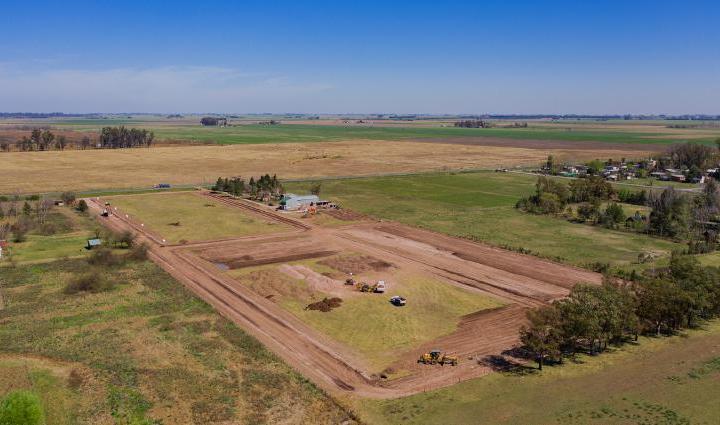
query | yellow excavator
[438, 357]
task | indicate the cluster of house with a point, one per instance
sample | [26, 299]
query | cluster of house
[673, 174]
[629, 171]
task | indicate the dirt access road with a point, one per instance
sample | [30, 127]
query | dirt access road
[519, 281]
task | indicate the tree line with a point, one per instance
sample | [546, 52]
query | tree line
[109, 138]
[262, 188]
[593, 316]
[213, 121]
[693, 218]
[473, 124]
[121, 137]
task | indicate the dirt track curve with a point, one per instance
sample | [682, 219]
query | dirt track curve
[520, 281]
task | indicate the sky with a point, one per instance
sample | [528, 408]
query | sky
[450, 57]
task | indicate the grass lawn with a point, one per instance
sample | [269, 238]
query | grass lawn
[48, 248]
[712, 259]
[199, 218]
[71, 231]
[368, 323]
[653, 182]
[145, 352]
[660, 381]
[481, 206]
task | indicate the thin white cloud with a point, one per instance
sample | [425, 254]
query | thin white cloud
[161, 89]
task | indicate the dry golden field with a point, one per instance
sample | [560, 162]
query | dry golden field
[51, 171]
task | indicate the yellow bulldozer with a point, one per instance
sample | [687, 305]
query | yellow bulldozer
[438, 357]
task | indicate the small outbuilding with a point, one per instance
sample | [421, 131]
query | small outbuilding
[92, 243]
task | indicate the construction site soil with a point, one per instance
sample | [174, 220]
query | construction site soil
[518, 281]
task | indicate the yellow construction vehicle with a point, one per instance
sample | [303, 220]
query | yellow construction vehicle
[378, 287]
[365, 287]
[310, 211]
[437, 357]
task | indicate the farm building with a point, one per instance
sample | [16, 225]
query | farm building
[92, 243]
[295, 202]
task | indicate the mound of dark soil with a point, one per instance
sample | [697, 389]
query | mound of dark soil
[325, 305]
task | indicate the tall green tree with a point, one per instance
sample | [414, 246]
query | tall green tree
[670, 215]
[542, 335]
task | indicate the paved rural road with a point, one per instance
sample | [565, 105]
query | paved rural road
[521, 281]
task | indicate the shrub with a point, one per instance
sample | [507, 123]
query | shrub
[68, 198]
[587, 211]
[21, 228]
[138, 252]
[125, 238]
[75, 379]
[82, 206]
[591, 189]
[632, 197]
[47, 229]
[550, 197]
[613, 215]
[21, 408]
[103, 257]
[19, 236]
[87, 282]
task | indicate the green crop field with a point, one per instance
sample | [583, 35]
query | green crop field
[317, 133]
[660, 381]
[480, 206]
[179, 216]
[301, 133]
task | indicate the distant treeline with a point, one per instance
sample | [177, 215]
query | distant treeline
[109, 138]
[121, 137]
[472, 124]
[43, 115]
[210, 121]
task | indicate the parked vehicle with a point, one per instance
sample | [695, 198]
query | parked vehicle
[398, 301]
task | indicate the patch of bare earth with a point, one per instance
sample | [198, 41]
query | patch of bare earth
[355, 264]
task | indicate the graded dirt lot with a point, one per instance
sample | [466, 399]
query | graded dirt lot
[366, 322]
[511, 279]
[32, 172]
